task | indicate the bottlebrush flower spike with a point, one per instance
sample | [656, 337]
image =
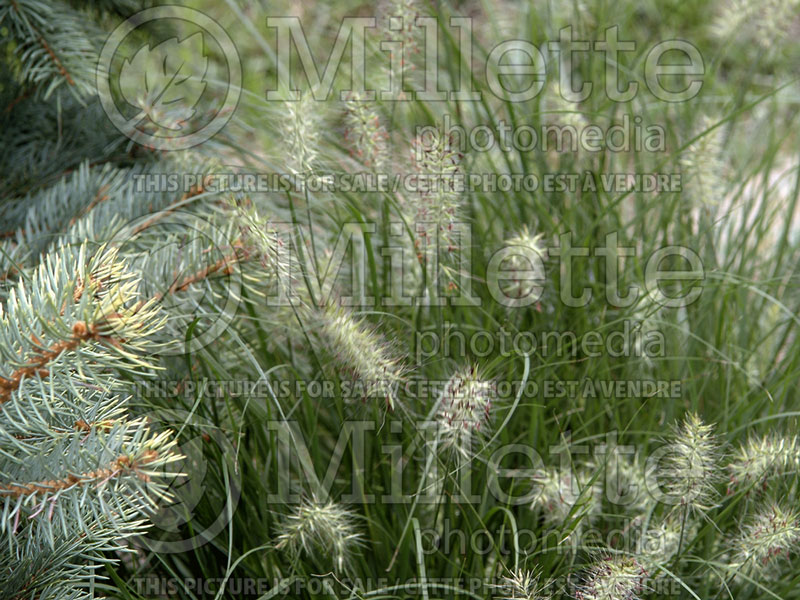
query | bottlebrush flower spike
[762, 456]
[530, 246]
[613, 578]
[661, 542]
[645, 318]
[397, 19]
[521, 584]
[435, 206]
[561, 492]
[703, 165]
[301, 134]
[772, 533]
[465, 404]
[327, 529]
[262, 241]
[561, 112]
[766, 22]
[691, 470]
[363, 351]
[365, 133]
[627, 485]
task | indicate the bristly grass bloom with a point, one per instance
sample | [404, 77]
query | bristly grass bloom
[661, 543]
[626, 485]
[561, 112]
[465, 403]
[692, 464]
[644, 320]
[301, 134]
[322, 529]
[362, 351]
[704, 166]
[562, 497]
[525, 268]
[437, 202]
[365, 133]
[262, 242]
[397, 19]
[521, 584]
[762, 456]
[773, 532]
[765, 22]
[613, 578]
